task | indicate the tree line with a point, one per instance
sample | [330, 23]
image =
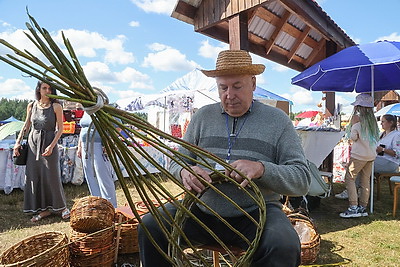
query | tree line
[13, 107]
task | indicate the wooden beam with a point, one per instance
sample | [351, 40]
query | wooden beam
[275, 57]
[185, 9]
[316, 50]
[278, 28]
[299, 40]
[317, 19]
[217, 33]
[266, 15]
[238, 32]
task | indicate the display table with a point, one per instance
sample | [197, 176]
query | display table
[11, 176]
[318, 143]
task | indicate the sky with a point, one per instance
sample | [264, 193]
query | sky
[132, 47]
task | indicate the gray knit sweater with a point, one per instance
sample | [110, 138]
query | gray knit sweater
[264, 134]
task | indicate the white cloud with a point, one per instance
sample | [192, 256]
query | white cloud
[167, 58]
[156, 6]
[279, 68]
[4, 23]
[16, 89]
[302, 99]
[19, 40]
[134, 23]
[208, 51]
[99, 73]
[260, 79]
[87, 44]
[392, 37]
[135, 78]
[158, 47]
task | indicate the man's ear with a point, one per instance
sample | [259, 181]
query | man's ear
[253, 80]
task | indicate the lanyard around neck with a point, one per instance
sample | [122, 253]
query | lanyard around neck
[232, 134]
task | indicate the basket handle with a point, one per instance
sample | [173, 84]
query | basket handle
[301, 216]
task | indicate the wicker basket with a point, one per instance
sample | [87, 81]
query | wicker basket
[90, 243]
[45, 249]
[92, 249]
[309, 249]
[128, 240]
[91, 214]
[103, 257]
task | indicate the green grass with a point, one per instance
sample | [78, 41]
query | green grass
[367, 241]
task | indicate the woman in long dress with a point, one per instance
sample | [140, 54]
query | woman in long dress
[43, 193]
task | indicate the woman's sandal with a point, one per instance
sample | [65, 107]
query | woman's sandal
[65, 214]
[40, 216]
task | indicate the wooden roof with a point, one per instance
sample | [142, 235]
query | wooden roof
[294, 33]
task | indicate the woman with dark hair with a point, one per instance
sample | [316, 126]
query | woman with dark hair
[388, 149]
[43, 193]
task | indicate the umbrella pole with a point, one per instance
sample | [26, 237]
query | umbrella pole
[371, 205]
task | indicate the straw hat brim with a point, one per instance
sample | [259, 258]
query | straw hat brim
[253, 69]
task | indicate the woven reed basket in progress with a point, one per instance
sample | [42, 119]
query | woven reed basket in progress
[45, 249]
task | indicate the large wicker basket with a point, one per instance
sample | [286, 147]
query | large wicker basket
[92, 249]
[103, 257]
[90, 214]
[90, 243]
[309, 249]
[45, 249]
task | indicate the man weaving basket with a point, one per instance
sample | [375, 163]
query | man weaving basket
[258, 141]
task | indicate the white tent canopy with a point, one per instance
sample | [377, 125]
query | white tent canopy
[176, 103]
[191, 91]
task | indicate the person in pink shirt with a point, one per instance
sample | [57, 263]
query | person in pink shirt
[363, 131]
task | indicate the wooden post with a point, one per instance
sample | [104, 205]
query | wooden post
[327, 164]
[238, 32]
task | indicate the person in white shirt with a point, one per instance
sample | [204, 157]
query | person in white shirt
[364, 134]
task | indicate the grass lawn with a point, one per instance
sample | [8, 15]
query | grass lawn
[366, 241]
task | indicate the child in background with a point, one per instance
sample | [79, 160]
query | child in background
[364, 133]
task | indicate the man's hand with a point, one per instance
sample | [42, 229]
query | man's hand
[191, 182]
[251, 169]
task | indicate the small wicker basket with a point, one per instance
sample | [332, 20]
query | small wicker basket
[309, 249]
[45, 249]
[128, 239]
[90, 214]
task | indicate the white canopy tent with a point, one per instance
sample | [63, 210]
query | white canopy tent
[177, 102]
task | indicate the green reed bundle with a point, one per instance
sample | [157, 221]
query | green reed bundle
[67, 76]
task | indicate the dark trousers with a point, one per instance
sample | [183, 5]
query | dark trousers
[279, 244]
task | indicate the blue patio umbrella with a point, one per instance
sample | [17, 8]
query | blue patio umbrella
[361, 68]
[393, 109]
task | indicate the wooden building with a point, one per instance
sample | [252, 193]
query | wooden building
[384, 98]
[294, 33]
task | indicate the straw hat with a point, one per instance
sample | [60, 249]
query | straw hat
[364, 100]
[234, 62]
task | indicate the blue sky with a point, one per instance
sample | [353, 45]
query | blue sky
[130, 47]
